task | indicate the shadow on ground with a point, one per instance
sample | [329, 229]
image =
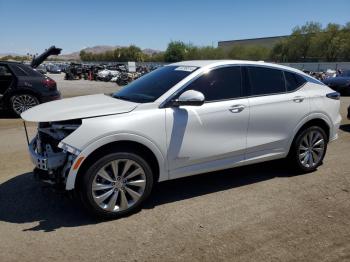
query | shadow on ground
[7, 115]
[345, 128]
[24, 200]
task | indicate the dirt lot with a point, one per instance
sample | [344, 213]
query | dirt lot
[257, 213]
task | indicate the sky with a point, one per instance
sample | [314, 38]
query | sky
[30, 26]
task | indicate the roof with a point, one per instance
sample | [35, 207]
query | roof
[267, 42]
[257, 38]
[10, 62]
[213, 63]
[210, 63]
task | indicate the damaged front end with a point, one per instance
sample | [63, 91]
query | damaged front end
[53, 158]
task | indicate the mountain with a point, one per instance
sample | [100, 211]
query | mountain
[101, 49]
[95, 50]
[11, 54]
[149, 51]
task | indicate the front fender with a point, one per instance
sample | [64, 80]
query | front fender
[163, 174]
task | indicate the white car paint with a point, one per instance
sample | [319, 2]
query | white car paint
[78, 107]
[188, 140]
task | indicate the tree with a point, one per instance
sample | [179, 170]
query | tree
[311, 42]
[331, 42]
[175, 52]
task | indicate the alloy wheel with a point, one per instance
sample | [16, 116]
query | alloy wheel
[311, 149]
[21, 103]
[118, 185]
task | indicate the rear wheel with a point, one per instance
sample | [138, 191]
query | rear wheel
[309, 149]
[22, 102]
[116, 185]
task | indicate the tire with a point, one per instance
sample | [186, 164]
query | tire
[21, 102]
[108, 196]
[305, 158]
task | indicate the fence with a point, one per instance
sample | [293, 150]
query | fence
[319, 67]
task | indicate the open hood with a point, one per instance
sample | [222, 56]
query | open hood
[37, 60]
[78, 108]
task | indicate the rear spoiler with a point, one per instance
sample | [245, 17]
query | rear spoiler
[41, 58]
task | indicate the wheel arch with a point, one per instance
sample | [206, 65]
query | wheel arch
[316, 120]
[19, 91]
[112, 144]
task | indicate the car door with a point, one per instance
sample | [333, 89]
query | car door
[6, 79]
[211, 136]
[277, 106]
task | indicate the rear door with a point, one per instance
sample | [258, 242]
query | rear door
[6, 79]
[277, 105]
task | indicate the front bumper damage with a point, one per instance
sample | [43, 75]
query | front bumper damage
[51, 157]
[48, 162]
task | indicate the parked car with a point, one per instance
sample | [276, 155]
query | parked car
[180, 120]
[21, 87]
[349, 112]
[41, 69]
[54, 69]
[340, 83]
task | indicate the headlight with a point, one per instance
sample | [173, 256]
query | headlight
[69, 148]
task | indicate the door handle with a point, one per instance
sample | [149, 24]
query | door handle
[298, 99]
[237, 108]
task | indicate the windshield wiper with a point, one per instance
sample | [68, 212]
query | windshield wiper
[123, 98]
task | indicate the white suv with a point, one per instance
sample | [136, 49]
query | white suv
[180, 120]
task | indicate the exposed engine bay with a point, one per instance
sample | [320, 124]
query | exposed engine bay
[52, 158]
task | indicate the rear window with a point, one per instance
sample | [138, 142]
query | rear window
[264, 81]
[293, 81]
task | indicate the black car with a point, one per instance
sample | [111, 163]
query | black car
[340, 83]
[349, 112]
[21, 87]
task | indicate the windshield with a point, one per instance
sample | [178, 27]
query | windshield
[345, 73]
[152, 85]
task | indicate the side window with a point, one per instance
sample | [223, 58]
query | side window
[264, 81]
[18, 71]
[293, 81]
[219, 84]
[28, 70]
[4, 71]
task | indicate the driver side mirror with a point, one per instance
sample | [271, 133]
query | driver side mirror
[189, 98]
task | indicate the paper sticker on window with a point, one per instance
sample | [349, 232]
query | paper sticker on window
[186, 68]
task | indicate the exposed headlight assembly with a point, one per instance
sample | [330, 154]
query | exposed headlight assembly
[68, 148]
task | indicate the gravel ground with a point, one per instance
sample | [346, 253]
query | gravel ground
[70, 88]
[256, 213]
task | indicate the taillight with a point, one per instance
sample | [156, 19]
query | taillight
[49, 83]
[333, 95]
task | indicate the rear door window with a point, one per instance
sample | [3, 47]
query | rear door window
[265, 81]
[4, 71]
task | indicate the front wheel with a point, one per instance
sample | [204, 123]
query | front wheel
[309, 149]
[116, 185]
